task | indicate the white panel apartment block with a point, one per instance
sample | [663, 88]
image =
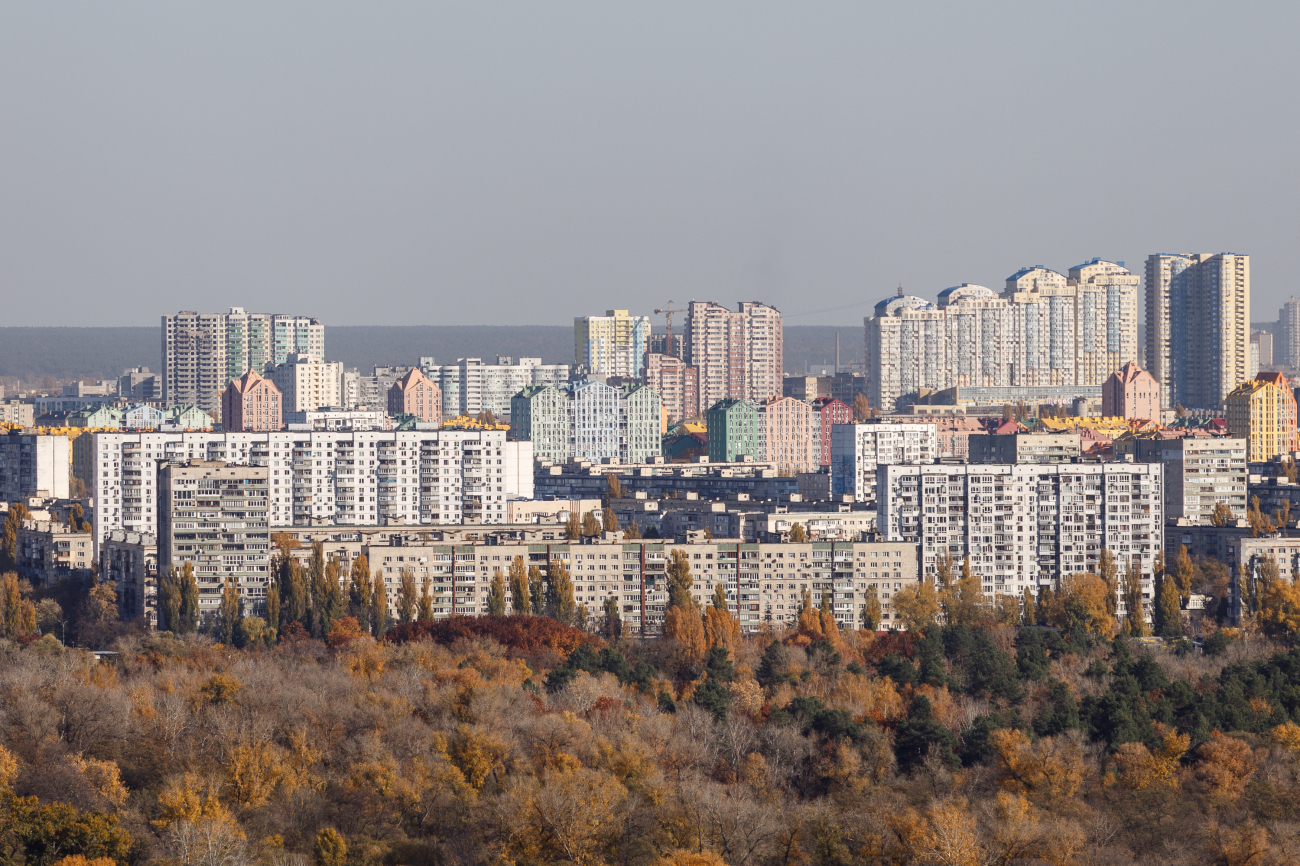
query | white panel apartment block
[348, 478]
[1023, 525]
[857, 449]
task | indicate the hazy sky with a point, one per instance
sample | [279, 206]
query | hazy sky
[477, 162]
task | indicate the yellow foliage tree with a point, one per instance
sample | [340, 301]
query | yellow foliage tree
[720, 627]
[1226, 765]
[1279, 602]
[917, 606]
[1047, 772]
[962, 600]
[253, 770]
[1081, 598]
[1135, 768]
[945, 833]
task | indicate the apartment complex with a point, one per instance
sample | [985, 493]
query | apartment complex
[858, 449]
[213, 517]
[31, 463]
[1286, 350]
[614, 344]
[201, 352]
[1198, 326]
[418, 477]
[49, 551]
[1262, 411]
[1026, 525]
[677, 383]
[764, 583]
[738, 354]
[251, 404]
[589, 420]
[307, 382]
[1200, 472]
[1045, 330]
[788, 428]
[735, 430]
[470, 386]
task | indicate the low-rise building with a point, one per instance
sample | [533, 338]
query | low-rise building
[50, 551]
[1131, 393]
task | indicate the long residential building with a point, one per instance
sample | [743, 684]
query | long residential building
[470, 386]
[589, 420]
[1200, 473]
[201, 352]
[424, 477]
[1198, 326]
[1023, 526]
[1046, 329]
[764, 582]
[30, 462]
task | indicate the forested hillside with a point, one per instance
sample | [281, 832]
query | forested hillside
[520, 740]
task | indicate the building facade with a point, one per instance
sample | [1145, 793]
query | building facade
[1023, 526]
[614, 344]
[1198, 326]
[307, 382]
[1131, 393]
[1200, 472]
[827, 413]
[677, 382]
[1262, 411]
[213, 517]
[202, 352]
[738, 354]
[735, 430]
[414, 394]
[858, 449]
[591, 421]
[30, 463]
[419, 477]
[130, 560]
[251, 404]
[49, 551]
[788, 426]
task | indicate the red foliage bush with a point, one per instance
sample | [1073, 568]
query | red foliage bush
[525, 634]
[901, 643]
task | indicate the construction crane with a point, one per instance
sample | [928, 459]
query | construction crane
[668, 314]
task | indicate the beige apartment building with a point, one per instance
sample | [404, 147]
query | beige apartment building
[614, 344]
[251, 404]
[788, 435]
[308, 383]
[764, 582]
[738, 354]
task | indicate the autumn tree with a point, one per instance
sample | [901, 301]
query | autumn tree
[231, 613]
[613, 625]
[1079, 606]
[1109, 572]
[1028, 612]
[590, 525]
[408, 597]
[189, 598]
[360, 593]
[573, 527]
[536, 591]
[609, 520]
[295, 596]
[316, 590]
[331, 604]
[518, 586]
[861, 409]
[14, 518]
[1134, 616]
[797, 534]
[1184, 571]
[560, 605]
[871, 613]
[1282, 517]
[613, 487]
[19, 613]
[1165, 615]
[496, 600]
[1260, 523]
[169, 600]
[720, 627]
[632, 532]
[424, 607]
[962, 601]
[682, 621]
[1279, 601]
[272, 613]
[379, 606]
[1222, 515]
[329, 849]
[917, 606]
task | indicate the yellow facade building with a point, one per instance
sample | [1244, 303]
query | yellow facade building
[1263, 412]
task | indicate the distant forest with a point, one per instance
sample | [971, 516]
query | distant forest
[31, 354]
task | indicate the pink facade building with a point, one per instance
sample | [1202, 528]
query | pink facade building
[788, 430]
[414, 394]
[827, 412]
[251, 404]
[677, 383]
[1131, 393]
[738, 354]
